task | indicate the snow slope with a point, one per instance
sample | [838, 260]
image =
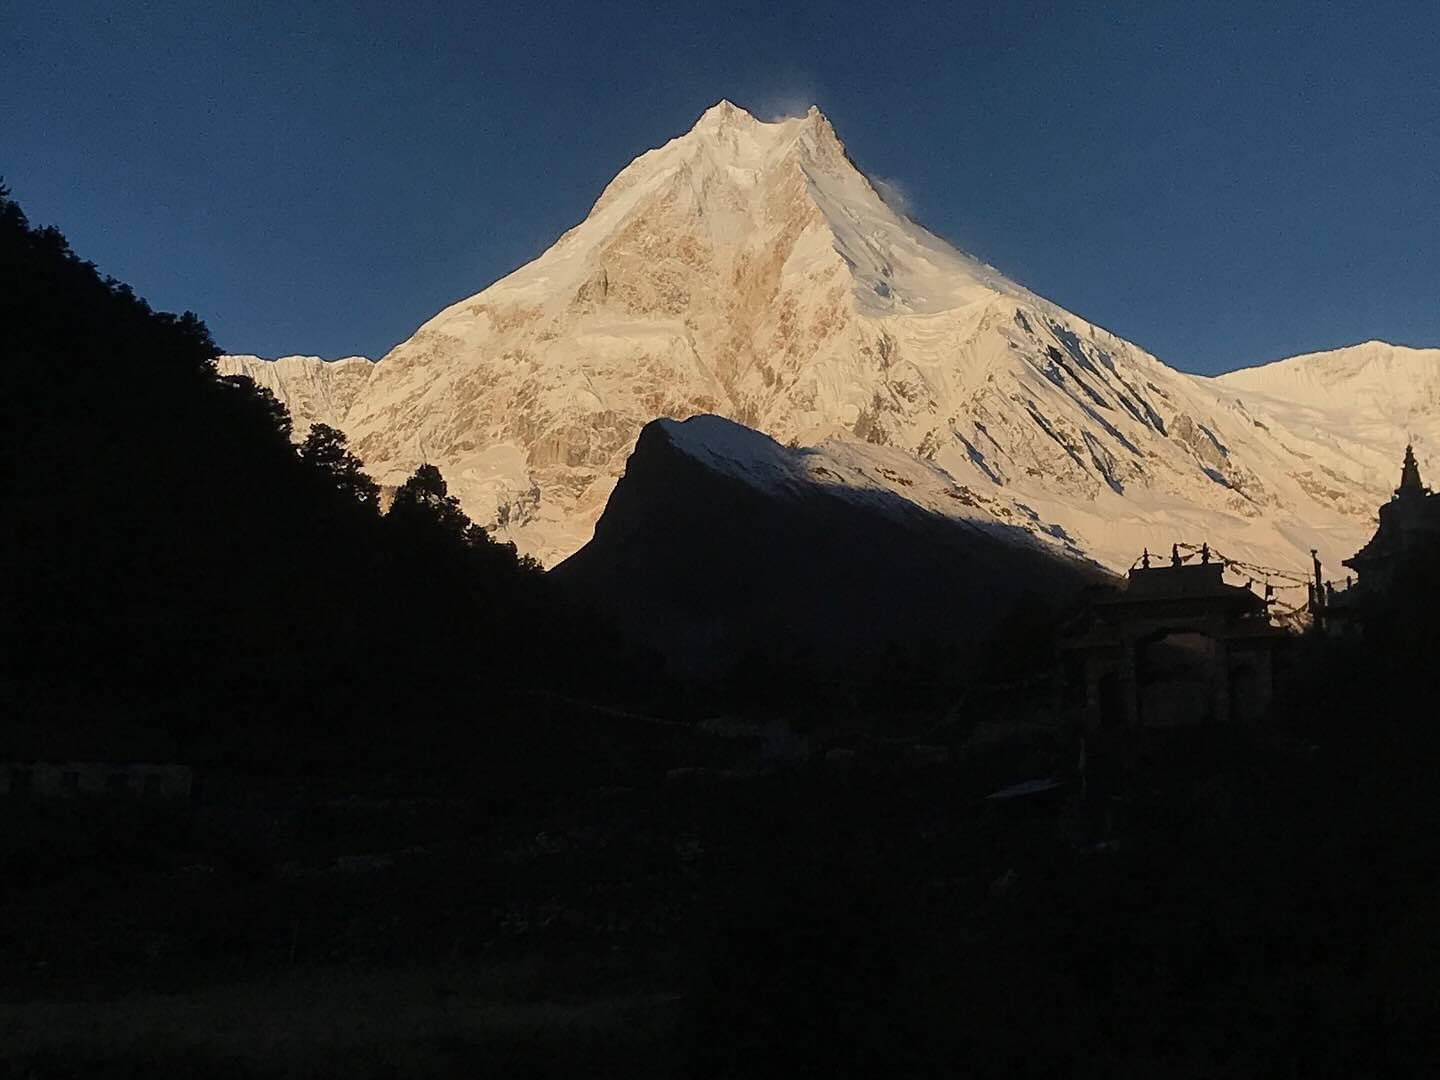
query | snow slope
[748, 269]
[1348, 410]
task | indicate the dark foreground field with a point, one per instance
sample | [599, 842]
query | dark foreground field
[736, 903]
[626, 926]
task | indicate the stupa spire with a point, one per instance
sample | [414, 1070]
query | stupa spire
[1410, 475]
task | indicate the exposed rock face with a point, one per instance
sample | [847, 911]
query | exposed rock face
[750, 270]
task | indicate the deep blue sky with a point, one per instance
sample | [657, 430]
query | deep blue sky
[1223, 184]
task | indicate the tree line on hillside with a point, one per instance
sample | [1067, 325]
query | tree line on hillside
[188, 582]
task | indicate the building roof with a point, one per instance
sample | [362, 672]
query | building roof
[1180, 595]
[1204, 582]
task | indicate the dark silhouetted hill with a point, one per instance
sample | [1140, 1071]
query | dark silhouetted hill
[716, 542]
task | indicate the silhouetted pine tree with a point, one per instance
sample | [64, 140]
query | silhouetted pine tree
[325, 451]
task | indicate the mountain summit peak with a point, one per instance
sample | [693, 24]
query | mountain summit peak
[723, 112]
[725, 109]
[742, 133]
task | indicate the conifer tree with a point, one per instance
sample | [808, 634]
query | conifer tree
[424, 503]
[324, 449]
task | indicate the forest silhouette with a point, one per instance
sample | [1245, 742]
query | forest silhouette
[188, 584]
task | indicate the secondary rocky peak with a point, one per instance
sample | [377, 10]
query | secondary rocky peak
[817, 136]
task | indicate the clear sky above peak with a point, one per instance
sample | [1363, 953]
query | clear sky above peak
[1222, 183]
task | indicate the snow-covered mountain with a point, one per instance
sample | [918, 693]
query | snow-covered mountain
[750, 270]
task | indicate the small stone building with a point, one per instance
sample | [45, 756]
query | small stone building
[1175, 646]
